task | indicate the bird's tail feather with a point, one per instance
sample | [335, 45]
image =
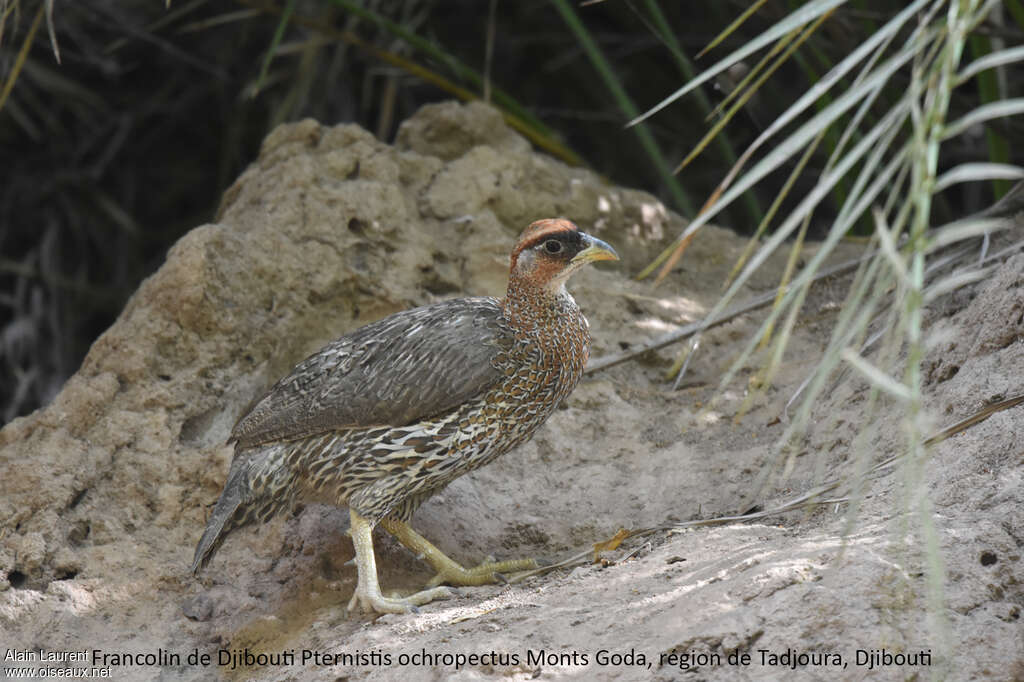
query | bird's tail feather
[224, 517]
[256, 489]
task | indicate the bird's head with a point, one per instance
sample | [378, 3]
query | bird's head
[549, 251]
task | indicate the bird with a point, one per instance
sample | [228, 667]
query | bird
[386, 416]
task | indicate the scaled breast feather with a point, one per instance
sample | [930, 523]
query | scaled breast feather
[411, 365]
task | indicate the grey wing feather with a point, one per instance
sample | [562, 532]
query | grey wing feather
[392, 372]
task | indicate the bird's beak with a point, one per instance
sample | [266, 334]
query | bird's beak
[596, 250]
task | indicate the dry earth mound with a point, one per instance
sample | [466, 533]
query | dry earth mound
[106, 490]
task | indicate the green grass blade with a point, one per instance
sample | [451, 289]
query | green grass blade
[515, 116]
[987, 112]
[803, 135]
[991, 60]
[282, 26]
[966, 229]
[764, 69]
[731, 28]
[973, 172]
[876, 142]
[1016, 10]
[722, 142]
[611, 82]
[19, 61]
[877, 377]
[809, 12]
[989, 91]
[839, 71]
[458, 68]
[743, 87]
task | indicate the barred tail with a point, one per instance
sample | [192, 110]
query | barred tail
[254, 491]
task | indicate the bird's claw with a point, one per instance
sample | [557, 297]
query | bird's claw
[379, 603]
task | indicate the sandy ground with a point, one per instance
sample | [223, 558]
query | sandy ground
[105, 492]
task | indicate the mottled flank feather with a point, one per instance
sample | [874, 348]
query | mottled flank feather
[387, 416]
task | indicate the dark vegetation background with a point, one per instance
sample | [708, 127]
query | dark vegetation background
[111, 155]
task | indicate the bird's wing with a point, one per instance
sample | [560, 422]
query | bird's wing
[405, 367]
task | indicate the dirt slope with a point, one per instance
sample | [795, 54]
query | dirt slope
[106, 490]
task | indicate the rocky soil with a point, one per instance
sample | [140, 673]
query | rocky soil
[105, 492]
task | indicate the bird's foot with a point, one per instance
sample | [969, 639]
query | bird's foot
[367, 593]
[484, 574]
[448, 570]
[373, 600]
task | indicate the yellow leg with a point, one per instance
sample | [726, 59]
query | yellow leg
[367, 592]
[449, 571]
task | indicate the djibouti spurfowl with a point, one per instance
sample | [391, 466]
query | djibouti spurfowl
[382, 418]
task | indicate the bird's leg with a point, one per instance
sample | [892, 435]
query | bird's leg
[368, 589]
[449, 571]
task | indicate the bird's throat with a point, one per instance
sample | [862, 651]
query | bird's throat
[530, 308]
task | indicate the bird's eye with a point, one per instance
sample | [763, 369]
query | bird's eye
[553, 246]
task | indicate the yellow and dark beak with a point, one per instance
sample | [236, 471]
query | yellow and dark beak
[595, 250]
